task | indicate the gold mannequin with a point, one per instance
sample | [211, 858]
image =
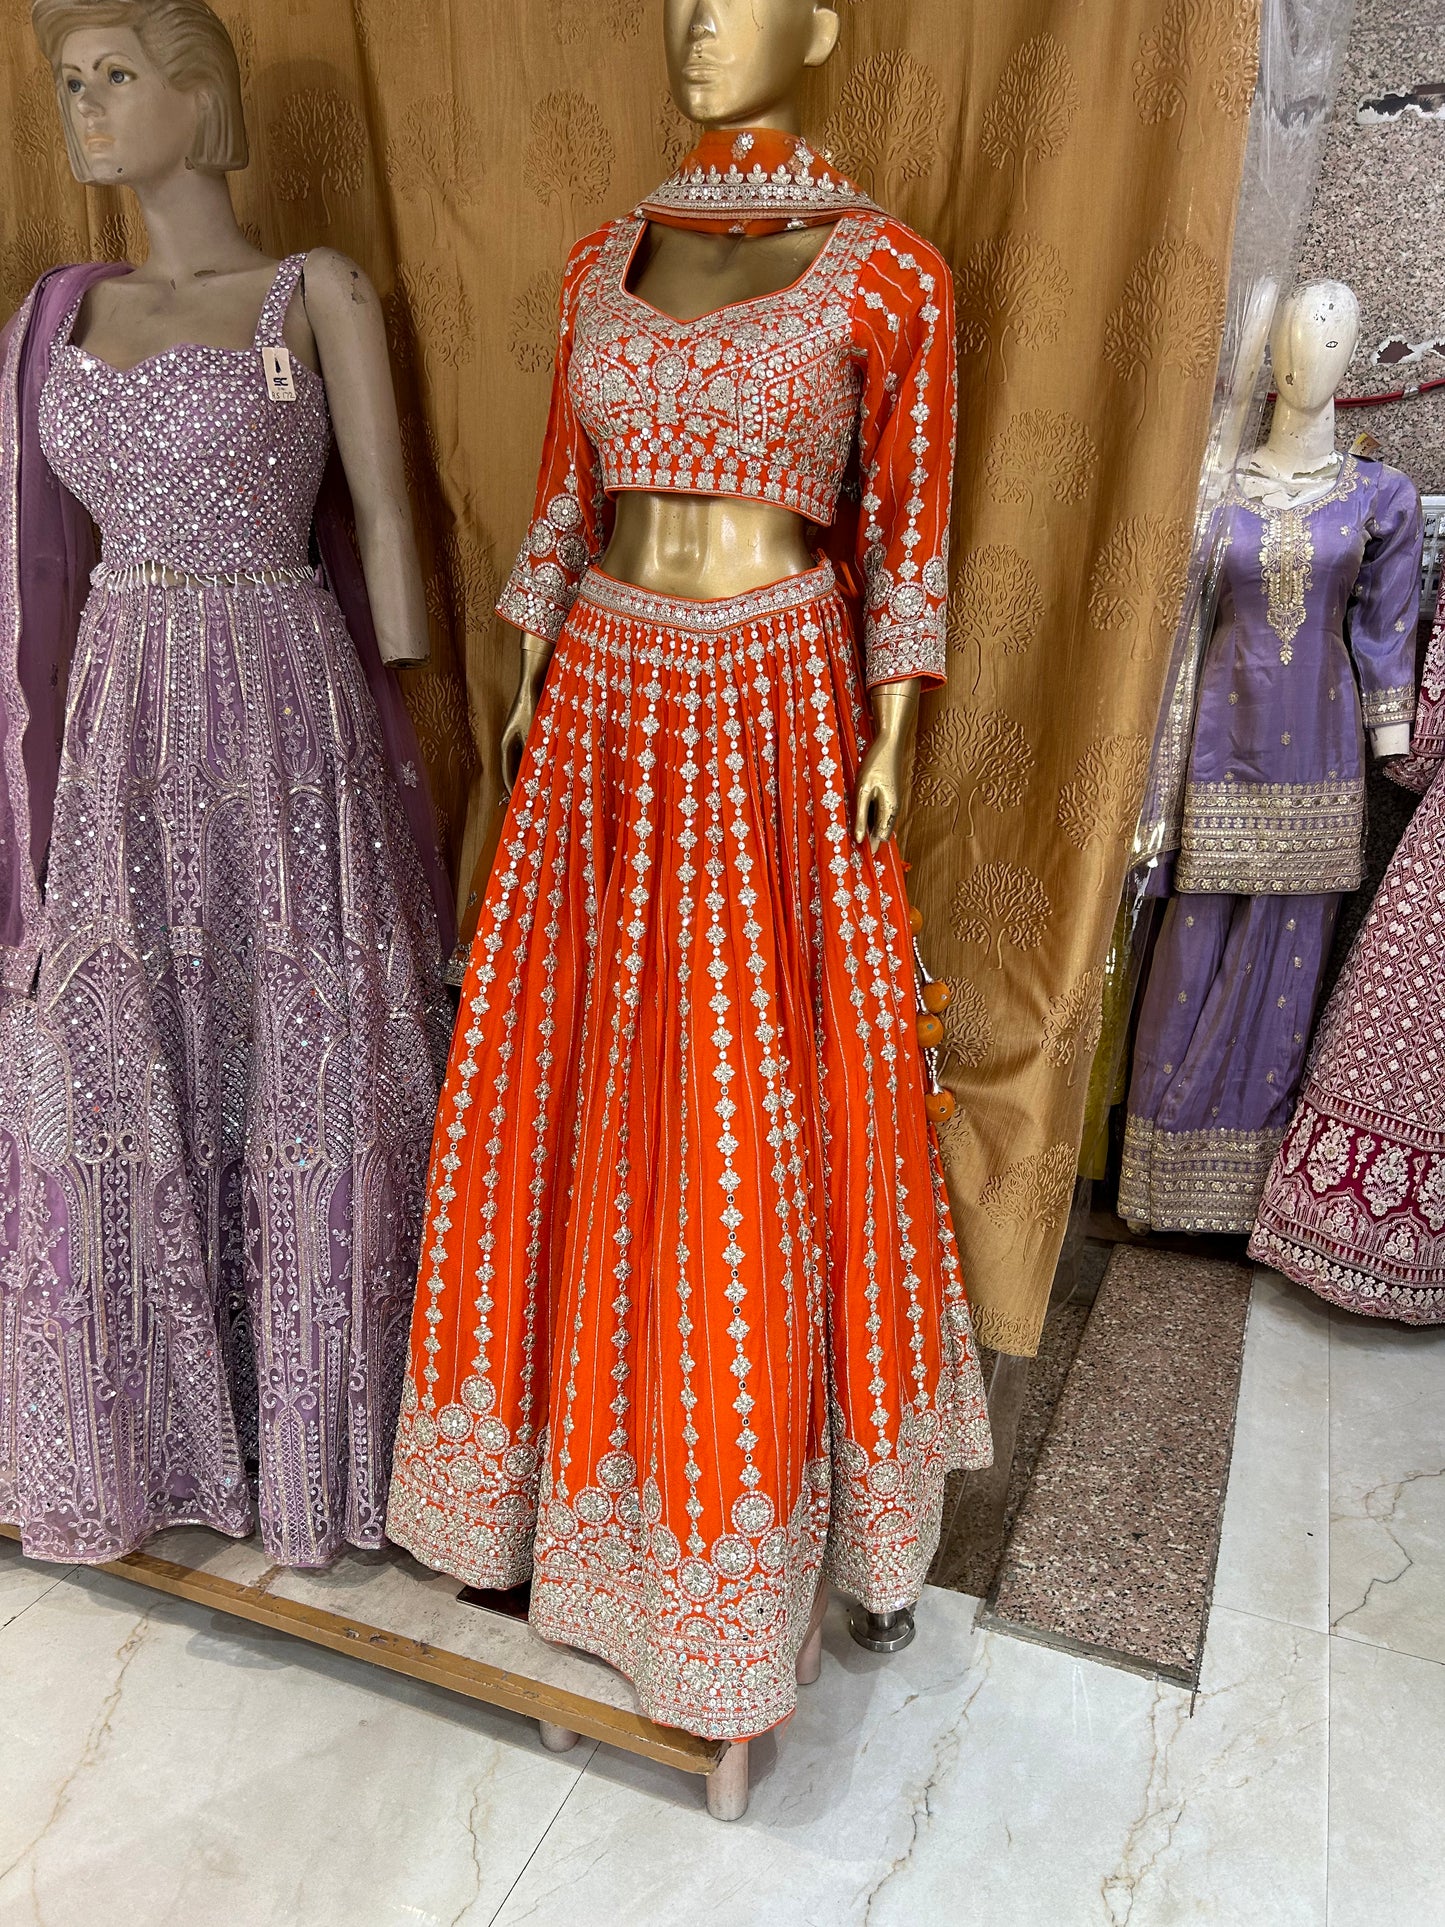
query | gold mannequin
[128, 124]
[731, 64]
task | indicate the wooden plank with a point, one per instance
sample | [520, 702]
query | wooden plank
[471, 1678]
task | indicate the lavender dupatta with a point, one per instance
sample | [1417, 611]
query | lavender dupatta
[47, 549]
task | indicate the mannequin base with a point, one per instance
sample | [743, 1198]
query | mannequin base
[727, 1784]
[810, 1657]
[882, 1632]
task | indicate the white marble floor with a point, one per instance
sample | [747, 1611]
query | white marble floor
[163, 1767]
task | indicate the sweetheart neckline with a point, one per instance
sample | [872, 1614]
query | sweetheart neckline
[179, 347]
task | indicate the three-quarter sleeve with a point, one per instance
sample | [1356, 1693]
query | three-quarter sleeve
[568, 527]
[1385, 606]
[908, 423]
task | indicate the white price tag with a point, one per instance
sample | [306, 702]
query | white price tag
[280, 382]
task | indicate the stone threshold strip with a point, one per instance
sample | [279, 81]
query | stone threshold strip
[404, 1620]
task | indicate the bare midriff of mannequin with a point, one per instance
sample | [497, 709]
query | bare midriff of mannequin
[203, 284]
[731, 64]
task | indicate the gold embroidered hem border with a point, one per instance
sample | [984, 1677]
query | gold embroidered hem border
[1272, 839]
[1193, 1180]
[1381, 706]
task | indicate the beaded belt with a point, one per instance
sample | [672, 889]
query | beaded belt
[711, 617]
[160, 575]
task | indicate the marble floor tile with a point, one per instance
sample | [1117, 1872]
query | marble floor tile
[1085, 1795]
[22, 1582]
[161, 1766]
[1022, 1786]
[1387, 1788]
[1275, 1548]
[1387, 1485]
[837, 1798]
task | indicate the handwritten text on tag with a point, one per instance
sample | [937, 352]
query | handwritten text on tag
[280, 382]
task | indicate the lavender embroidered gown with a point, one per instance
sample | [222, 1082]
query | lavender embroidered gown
[216, 1108]
[1314, 643]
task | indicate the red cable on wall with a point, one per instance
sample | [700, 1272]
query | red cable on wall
[1378, 401]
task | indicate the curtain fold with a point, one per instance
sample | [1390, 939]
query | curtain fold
[1077, 165]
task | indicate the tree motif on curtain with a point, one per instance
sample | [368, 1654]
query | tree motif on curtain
[1001, 902]
[318, 141]
[569, 157]
[1170, 318]
[1041, 455]
[1137, 584]
[1032, 114]
[885, 130]
[1074, 1023]
[1034, 1193]
[994, 608]
[1202, 50]
[969, 756]
[1013, 284]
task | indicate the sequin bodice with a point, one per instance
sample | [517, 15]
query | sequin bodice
[773, 400]
[758, 399]
[184, 459]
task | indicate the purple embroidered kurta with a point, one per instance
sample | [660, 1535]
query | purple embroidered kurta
[1314, 643]
[220, 1033]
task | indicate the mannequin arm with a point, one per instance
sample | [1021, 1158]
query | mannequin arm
[1390, 739]
[880, 780]
[536, 654]
[345, 317]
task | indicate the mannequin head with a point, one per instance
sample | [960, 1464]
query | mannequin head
[145, 87]
[1311, 343]
[738, 63]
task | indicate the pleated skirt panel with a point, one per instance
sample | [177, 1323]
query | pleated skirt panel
[1354, 1206]
[1224, 1027]
[215, 1107]
[690, 1327]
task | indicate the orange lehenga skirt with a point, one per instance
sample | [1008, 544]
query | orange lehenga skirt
[690, 1327]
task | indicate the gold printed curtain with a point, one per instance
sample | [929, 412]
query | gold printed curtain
[1077, 164]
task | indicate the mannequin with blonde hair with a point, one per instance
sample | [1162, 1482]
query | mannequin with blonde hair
[223, 911]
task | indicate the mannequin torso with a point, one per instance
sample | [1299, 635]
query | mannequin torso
[1298, 464]
[730, 71]
[710, 546]
[203, 284]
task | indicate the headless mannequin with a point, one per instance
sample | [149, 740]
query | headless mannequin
[204, 283]
[1310, 345]
[731, 64]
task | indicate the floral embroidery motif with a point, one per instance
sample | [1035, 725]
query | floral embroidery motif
[1286, 551]
[1387, 1180]
[673, 1367]
[770, 400]
[1268, 839]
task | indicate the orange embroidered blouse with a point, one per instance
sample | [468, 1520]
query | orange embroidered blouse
[769, 399]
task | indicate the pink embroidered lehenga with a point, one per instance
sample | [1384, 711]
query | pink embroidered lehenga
[1354, 1206]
